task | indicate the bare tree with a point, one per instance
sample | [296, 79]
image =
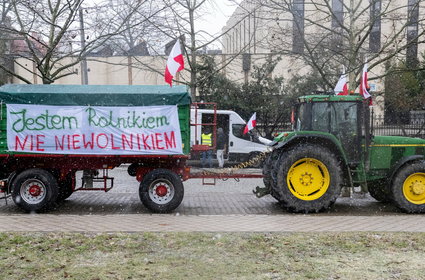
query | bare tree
[139, 35]
[49, 31]
[327, 34]
[181, 20]
[5, 22]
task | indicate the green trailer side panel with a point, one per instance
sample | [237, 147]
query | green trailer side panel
[184, 119]
[94, 95]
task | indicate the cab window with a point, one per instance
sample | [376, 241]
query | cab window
[237, 130]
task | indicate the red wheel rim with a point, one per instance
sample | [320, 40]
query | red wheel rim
[34, 190]
[161, 190]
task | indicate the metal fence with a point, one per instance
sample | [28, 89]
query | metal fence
[414, 128]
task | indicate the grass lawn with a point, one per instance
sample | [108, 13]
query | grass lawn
[212, 256]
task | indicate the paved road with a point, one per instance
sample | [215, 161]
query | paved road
[227, 206]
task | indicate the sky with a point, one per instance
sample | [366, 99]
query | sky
[220, 11]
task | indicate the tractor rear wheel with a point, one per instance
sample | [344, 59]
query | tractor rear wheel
[408, 188]
[267, 171]
[309, 178]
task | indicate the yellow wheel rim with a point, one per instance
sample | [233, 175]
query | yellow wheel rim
[308, 179]
[414, 188]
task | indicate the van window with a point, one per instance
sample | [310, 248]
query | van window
[238, 129]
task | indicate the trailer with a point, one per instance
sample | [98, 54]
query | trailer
[51, 132]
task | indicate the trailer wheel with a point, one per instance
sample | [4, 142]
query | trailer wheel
[161, 191]
[65, 188]
[408, 188]
[379, 190]
[309, 179]
[132, 169]
[35, 190]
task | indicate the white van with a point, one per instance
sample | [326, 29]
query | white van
[240, 147]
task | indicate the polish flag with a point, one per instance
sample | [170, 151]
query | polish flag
[363, 83]
[175, 63]
[341, 87]
[251, 123]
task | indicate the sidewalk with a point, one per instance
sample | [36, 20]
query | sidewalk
[211, 223]
[229, 206]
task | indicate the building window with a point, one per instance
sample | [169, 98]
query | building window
[298, 26]
[412, 33]
[375, 33]
[337, 24]
[337, 14]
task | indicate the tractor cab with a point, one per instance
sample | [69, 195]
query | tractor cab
[341, 116]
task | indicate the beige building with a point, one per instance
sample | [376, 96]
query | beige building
[295, 30]
[328, 34]
[348, 31]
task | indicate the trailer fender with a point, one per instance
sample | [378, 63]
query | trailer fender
[141, 172]
[10, 179]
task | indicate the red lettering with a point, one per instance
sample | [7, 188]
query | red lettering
[124, 140]
[138, 141]
[75, 141]
[158, 141]
[88, 143]
[69, 141]
[112, 143]
[144, 142]
[170, 142]
[39, 142]
[18, 143]
[58, 144]
[153, 141]
[106, 138]
[32, 143]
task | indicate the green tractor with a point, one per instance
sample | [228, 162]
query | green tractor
[332, 146]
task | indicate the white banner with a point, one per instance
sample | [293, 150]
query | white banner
[150, 130]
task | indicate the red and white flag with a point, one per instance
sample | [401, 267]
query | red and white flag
[251, 123]
[341, 87]
[175, 63]
[363, 83]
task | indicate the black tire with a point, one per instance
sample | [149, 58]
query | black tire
[35, 190]
[161, 191]
[267, 172]
[408, 188]
[379, 190]
[309, 179]
[132, 169]
[65, 188]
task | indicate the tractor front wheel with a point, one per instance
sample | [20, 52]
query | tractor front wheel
[408, 188]
[309, 178]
